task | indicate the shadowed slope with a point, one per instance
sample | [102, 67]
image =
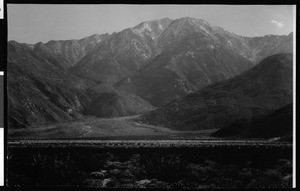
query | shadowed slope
[277, 124]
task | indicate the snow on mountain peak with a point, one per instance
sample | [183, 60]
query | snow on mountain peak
[142, 28]
[160, 27]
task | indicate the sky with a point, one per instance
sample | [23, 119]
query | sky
[32, 23]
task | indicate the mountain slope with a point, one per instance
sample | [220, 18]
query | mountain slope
[41, 91]
[277, 124]
[258, 91]
[262, 47]
[115, 104]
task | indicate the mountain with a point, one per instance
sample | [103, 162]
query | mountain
[41, 91]
[256, 92]
[187, 54]
[277, 124]
[192, 56]
[70, 51]
[122, 54]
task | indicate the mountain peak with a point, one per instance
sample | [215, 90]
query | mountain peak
[39, 44]
[154, 21]
[290, 34]
[152, 28]
[186, 18]
[190, 19]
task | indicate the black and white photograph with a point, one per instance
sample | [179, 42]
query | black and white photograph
[156, 96]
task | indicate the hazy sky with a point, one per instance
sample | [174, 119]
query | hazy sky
[34, 23]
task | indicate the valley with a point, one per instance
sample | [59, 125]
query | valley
[105, 129]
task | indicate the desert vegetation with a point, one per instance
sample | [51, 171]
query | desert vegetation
[151, 168]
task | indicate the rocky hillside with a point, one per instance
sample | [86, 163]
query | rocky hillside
[115, 104]
[109, 102]
[39, 90]
[256, 92]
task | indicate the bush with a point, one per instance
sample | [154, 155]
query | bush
[169, 168]
[273, 174]
[200, 173]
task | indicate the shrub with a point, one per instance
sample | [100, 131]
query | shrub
[169, 168]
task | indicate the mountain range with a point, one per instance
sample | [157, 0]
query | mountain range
[187, 54]
[162, 63]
